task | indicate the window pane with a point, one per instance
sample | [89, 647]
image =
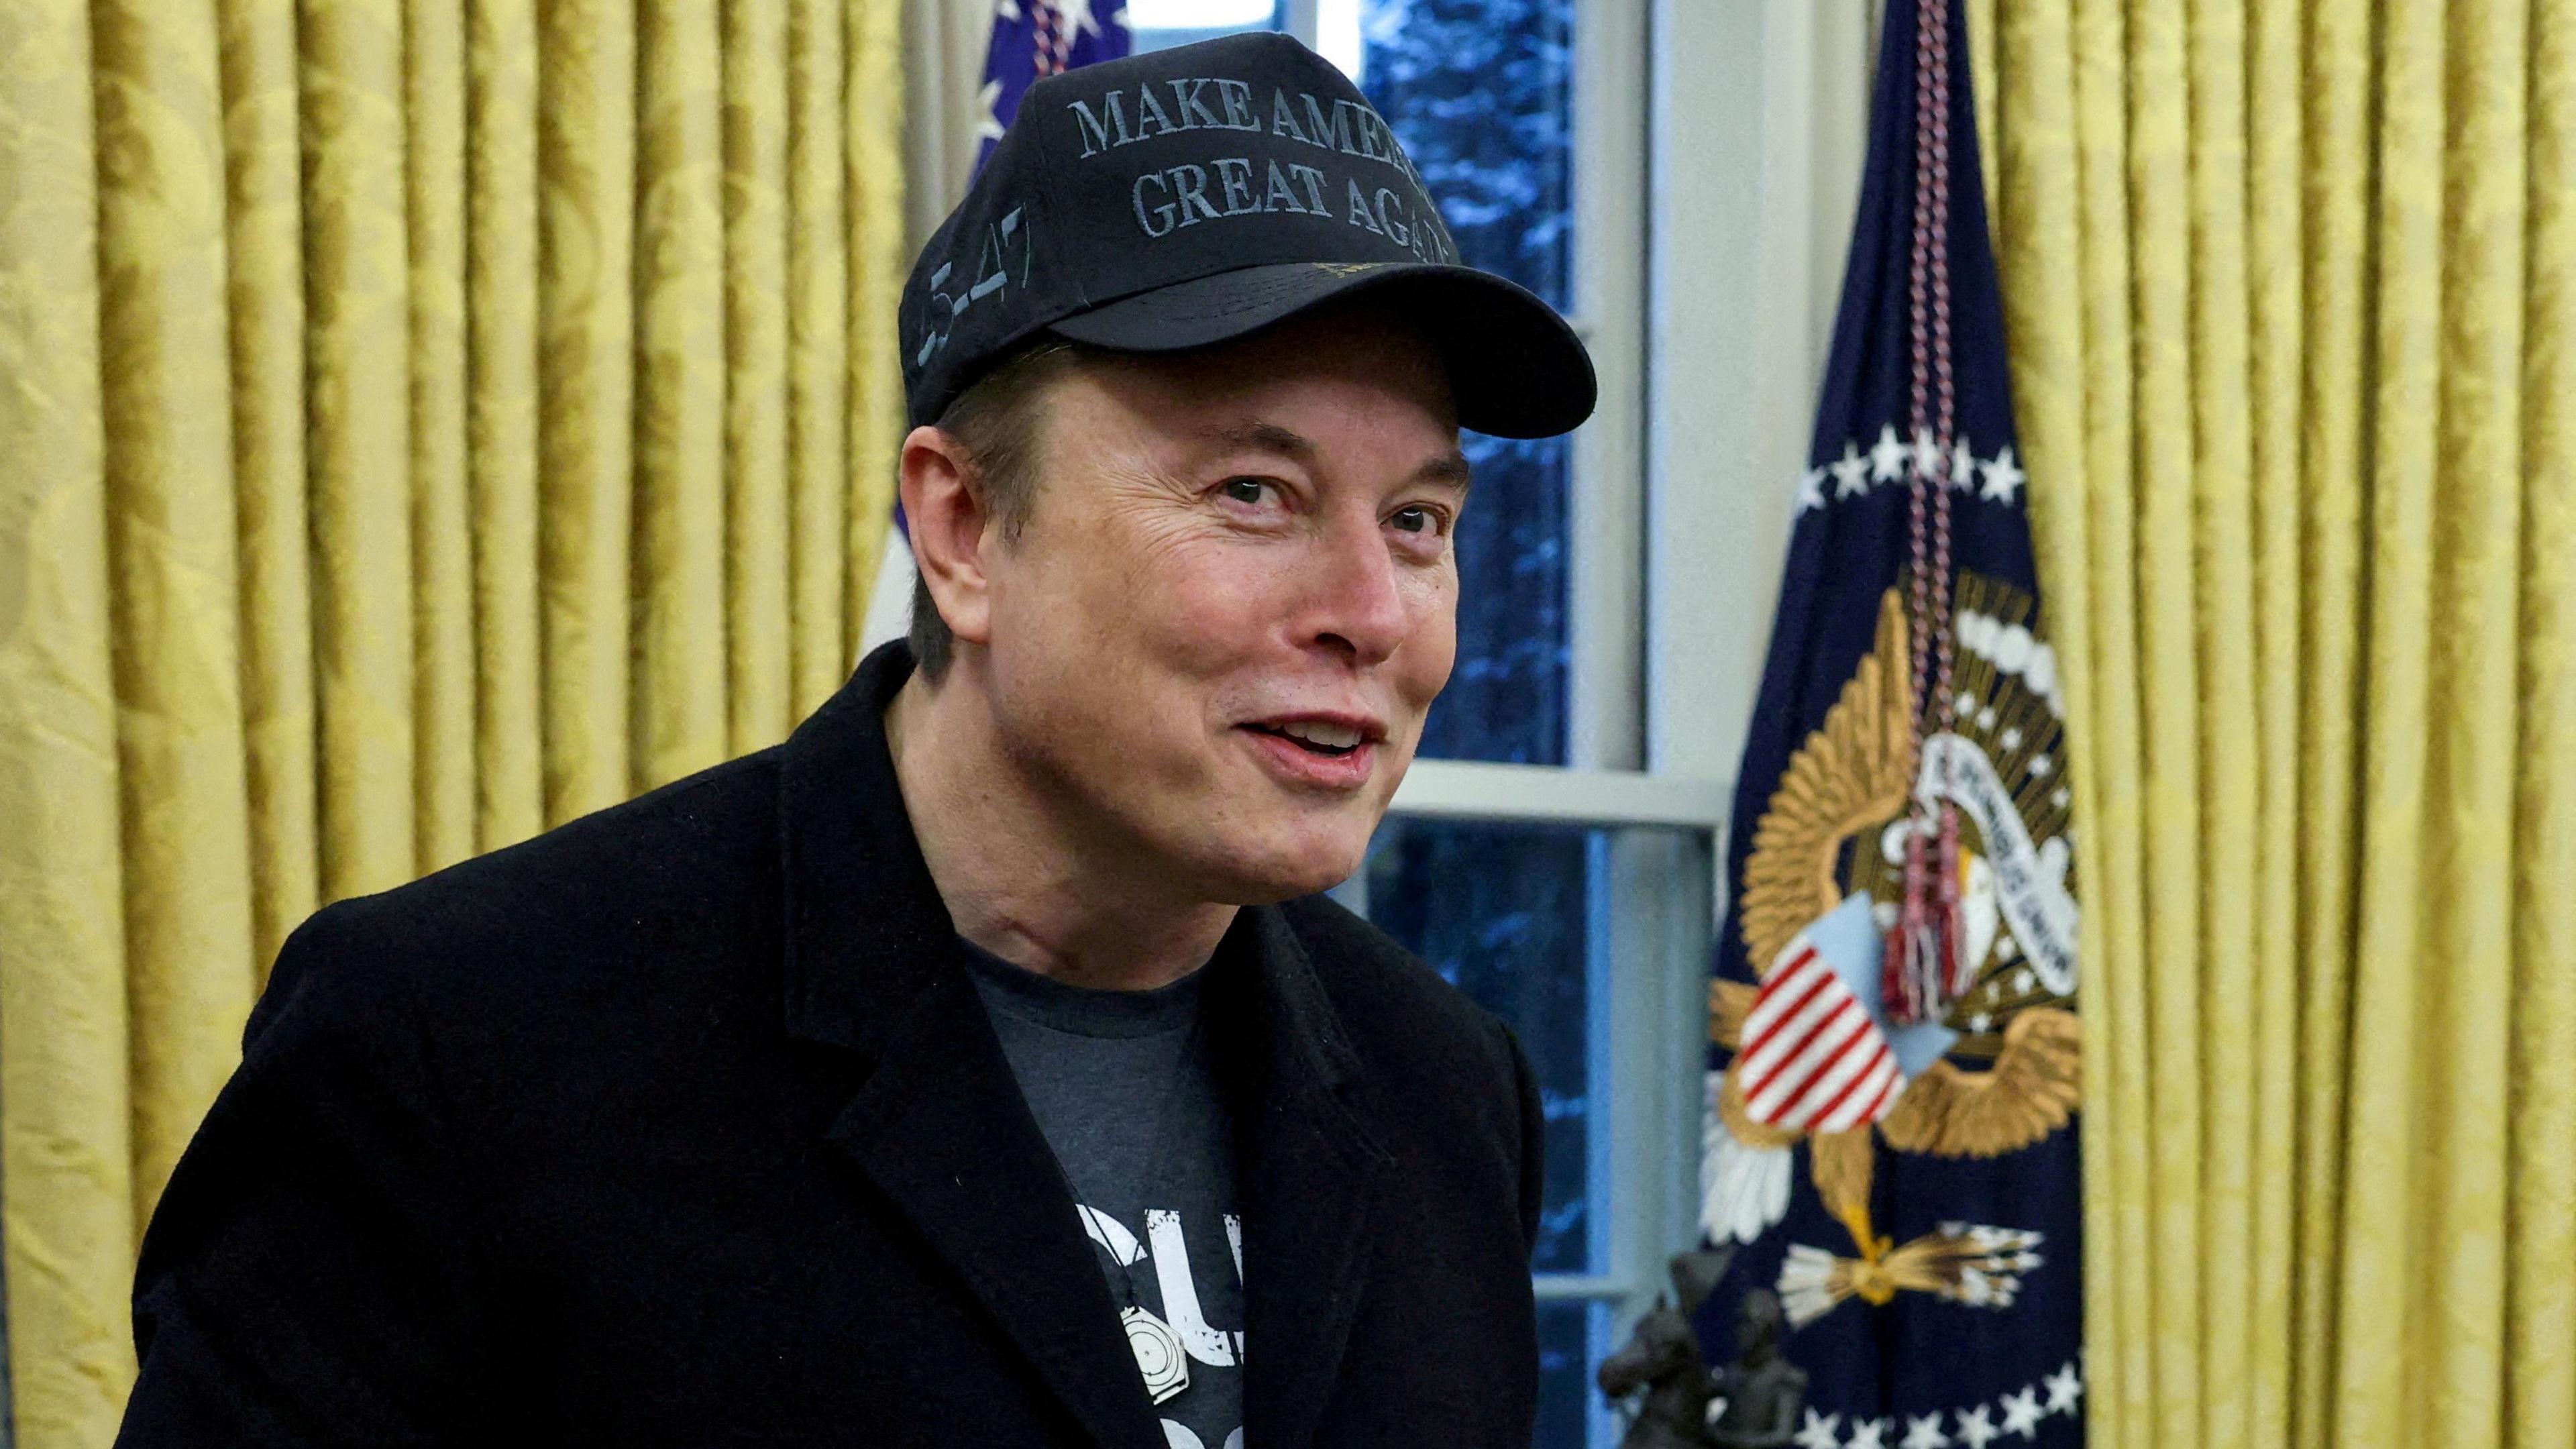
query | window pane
[1565, 1389]
[1162, 24]
[1501, 912]
[1479, 91]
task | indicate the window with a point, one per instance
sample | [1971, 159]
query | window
[1528, 858]
[1481, 92]
[1544, 855]
[1162, 24]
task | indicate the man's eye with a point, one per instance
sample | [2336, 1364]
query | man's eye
[1415, 520]
[1246, 490]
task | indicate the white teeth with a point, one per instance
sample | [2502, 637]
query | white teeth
[1316, 732]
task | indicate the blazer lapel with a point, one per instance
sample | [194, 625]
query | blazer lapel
[1307, 1177]
[938, 1124]
[943, 1132]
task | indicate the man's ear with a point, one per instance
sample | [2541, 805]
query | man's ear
[944, 506]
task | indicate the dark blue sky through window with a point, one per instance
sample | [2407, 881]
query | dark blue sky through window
[1564, 1374]
[1499, 910]
[1480, 91]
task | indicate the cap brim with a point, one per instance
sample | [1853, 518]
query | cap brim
[1516, 370]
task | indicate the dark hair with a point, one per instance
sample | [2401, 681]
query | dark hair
[997, 421]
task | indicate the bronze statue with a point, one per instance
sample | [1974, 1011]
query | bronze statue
[1662, 1366]
[1760, 1393]
[1752, 1403]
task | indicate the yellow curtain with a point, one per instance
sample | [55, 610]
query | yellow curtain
[2291, 292]
[421, 421]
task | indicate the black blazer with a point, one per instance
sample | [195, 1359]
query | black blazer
[683, 1125]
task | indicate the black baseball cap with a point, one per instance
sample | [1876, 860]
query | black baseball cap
[1191, 196]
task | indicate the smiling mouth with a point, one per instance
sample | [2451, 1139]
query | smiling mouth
[1330, 741]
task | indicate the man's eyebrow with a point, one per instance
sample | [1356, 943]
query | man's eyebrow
[1263, 437]
[1451, 470]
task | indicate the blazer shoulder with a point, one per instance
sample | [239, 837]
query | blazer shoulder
[1451, 1083]
[679, 864]
[1394, 1006]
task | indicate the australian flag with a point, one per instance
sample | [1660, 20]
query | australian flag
[1034, 39]
[1894, 1084]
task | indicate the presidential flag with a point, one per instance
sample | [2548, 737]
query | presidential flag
[1032, 39]
[1893, 1088]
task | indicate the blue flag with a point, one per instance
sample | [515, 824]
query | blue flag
[1894, 1078]
[1033, 39]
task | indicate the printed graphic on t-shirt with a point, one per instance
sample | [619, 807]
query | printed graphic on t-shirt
[1190, 1275]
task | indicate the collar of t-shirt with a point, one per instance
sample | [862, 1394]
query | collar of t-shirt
[1082, 1010]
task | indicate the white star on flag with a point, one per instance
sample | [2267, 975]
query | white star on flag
[989, 126]
[1924, 1433]
[2021, 1413]
[1811, 490]
[1963, 467]
[1976, 1430]
[2003, 480]
[1077, 16]
[1927, 454]
[1851, 474]
[2064, 1387]
[1867, 1434]
[1006, 9]
[1820, 1431]
[1887, 459]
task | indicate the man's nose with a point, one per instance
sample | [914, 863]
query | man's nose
[1356, 606]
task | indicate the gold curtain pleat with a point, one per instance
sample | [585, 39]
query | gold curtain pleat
[755, 425]
[265, 224]
[586, 386]
[427, 420]
[2540, 1210]
[679, 691]
[872, 131]
[818, 357]
[2289, 289]
[2274, 346]
[503, 389]
[442, 523]
[357, 408]
[174, 589]
[66, 1120]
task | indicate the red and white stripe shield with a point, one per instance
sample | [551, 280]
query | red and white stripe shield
[1812, 1058]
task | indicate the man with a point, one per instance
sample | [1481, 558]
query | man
[951, 1074]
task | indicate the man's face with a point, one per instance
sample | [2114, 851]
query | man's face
[1234, 600]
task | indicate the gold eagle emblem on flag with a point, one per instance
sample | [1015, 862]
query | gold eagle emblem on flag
[1835, 828]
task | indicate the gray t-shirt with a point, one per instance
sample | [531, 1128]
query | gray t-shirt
[1122, 1086]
